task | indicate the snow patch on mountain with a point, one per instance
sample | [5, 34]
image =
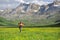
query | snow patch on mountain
[1, 10]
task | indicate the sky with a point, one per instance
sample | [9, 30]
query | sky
[14, 3]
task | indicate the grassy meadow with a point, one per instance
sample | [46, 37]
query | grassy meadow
[30, 34]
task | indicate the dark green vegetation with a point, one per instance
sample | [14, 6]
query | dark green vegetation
[4, 22]
[30, 34]
[34, 22]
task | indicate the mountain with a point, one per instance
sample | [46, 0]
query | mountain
[33, 14]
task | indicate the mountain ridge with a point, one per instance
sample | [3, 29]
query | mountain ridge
[41, 14]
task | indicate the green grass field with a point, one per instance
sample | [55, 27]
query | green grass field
[30, 34]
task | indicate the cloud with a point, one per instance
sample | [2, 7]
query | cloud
[8, 3]
[20, 1]
[40, 2]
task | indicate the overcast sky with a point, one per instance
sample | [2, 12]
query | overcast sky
[13, 3]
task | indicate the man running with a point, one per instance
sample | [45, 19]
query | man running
[20, 26]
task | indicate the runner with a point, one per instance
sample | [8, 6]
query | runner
[20, 26]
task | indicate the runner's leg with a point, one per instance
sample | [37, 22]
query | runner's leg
[20, 28]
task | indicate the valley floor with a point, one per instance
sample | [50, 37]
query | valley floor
[30, 34]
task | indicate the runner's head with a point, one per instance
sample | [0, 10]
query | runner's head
[20, 22]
